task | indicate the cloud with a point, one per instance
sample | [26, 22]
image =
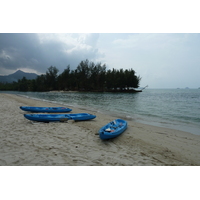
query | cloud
[19, 51]
[39, 51]
[162, 60]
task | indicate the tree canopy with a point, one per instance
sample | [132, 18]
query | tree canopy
[88, 76]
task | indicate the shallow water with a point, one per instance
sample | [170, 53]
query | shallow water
[171, 108]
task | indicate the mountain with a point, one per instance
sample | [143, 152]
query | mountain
[16, 76]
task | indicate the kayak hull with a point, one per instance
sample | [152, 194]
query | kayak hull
[45, 109]
[59, 117]
[113, 129]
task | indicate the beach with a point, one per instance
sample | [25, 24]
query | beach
[26, 143]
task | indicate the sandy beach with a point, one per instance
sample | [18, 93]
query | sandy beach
[25, 143]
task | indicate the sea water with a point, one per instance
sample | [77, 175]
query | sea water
[171, 108]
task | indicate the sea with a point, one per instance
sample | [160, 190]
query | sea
[170, 108]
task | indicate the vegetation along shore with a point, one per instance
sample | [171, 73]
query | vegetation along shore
[88, 76]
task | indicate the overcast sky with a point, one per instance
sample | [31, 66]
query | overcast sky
[162, 60]
[160, 40]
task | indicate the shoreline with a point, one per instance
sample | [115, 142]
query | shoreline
[78, 144]
[176, 123]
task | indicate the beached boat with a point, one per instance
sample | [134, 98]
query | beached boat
[46, 109]
[113, 129]
[59, 117]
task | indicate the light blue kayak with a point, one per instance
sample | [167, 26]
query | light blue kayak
[59, 117]
[46, 109]
[113, 129]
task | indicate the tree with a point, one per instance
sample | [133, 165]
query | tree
[132, 80]
[41, 83]
[51, 78]
[83, 74]
[23, 84]
[88, 76]
[97, 76]
[64, 79]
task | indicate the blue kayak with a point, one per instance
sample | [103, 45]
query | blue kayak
[46, 109]
[59, 117]
[113, 129]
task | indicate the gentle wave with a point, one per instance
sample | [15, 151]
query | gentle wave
[177, 109]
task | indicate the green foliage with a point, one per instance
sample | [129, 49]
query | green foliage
[88, 76]
[51, 78]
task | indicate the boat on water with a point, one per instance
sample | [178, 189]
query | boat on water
[45, 109]
[113, 129]
[59, 117]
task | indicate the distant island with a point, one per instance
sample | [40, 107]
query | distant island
[88, 76]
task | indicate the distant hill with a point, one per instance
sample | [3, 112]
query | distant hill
[16, 76]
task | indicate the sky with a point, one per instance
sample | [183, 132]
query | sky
[162, 60]
[162, 48]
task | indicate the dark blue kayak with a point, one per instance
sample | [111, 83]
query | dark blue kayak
[59, 117]
[46, 109]
[113, 129]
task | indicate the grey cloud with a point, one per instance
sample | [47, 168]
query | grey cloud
[21, 50]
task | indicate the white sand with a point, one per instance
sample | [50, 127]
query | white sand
[78, 144]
